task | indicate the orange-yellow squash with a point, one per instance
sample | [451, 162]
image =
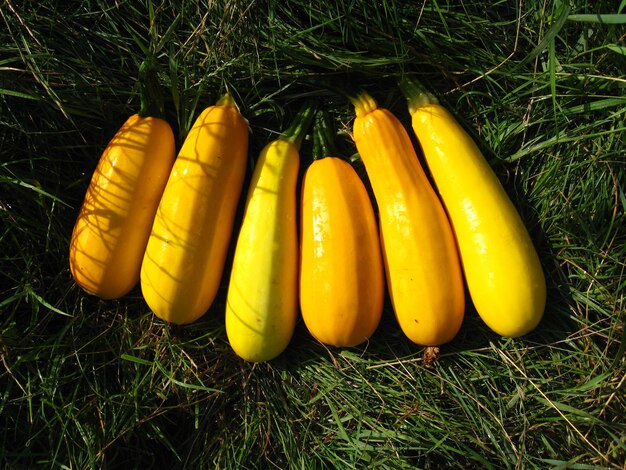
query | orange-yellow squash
[187, 249]
[423, 270]
[341, 272]
[262, 300]
[502, 269]
[114, 222]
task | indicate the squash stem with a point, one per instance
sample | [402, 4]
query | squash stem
[295, 133]
[363, 103]
[416, 94]
[226, 100]
[322, 136]
[152, 101]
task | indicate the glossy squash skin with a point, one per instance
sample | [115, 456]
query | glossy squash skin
[502, 269]
[422, 265]
[114, 222]
[341, 273]
[262, 299]
[186, 252]
[262, 304]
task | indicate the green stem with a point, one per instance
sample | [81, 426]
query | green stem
[416, 94]
[297, 130]
[226, 100]
[323, 136]
[152, 101]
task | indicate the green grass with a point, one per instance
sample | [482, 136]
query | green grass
[86, 383]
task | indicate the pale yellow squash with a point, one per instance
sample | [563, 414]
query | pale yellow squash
[502, 269]
[262, 301]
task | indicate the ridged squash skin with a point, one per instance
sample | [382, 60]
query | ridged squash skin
[502, 269]
[186, 252]
[262, 303]
[115, 219]
[341, 272]
[423, 271]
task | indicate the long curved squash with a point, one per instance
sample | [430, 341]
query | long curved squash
[187, 249]
[262, 303]
[424, 276]
[342, 281]
[114, 222]
[502, 268]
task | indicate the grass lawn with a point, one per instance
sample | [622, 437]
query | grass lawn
[88, 383]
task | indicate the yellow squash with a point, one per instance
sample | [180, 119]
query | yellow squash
[114, 222]
[502, 268]
[341, 272]
[424, 276]
[186, 252]
[261, 305]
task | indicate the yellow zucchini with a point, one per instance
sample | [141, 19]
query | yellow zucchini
[341, 273]
[113, 225]
[423, 271]
[186, 252]
[262, 304]
[502, 269]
